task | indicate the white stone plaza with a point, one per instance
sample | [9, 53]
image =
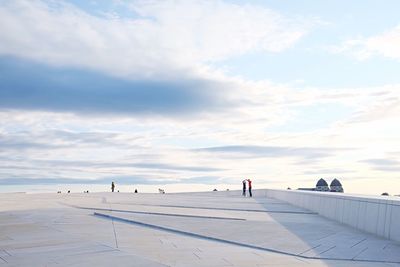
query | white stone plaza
[185, 229]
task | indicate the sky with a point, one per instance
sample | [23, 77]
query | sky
[195, 95]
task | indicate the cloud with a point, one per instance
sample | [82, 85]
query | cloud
[378, 107]
[215, 30]
[204, 180]
[27, 85]
[17, 145]
[174, 167]
[386, 44]
[57, 181]
[121, 180]
[388, 165]
[11, 143]
[61, 139]
[88, 154]
[381, 162]
[269, 151]
[58, 154]
[154, 62]
[161, 38]
[331, 172]
[139, 165]
[87, 96]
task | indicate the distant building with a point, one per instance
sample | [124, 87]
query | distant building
[336, 186]
[305, 189]
[322, 185]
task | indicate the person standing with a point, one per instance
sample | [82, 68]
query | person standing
[112, 186]
[249, 181]
[244, 187]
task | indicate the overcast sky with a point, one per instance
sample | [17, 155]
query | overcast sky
[201, 93]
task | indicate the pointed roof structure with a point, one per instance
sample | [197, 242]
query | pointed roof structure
[336, 182]
[322, 182]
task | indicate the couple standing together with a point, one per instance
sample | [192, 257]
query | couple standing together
[244, 187]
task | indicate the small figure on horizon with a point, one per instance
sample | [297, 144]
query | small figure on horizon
[69, 191]
[244, 187]
[135, 191]
[249, 181]
[112, 186]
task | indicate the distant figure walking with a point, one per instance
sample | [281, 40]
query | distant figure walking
[112, 186]
[249, 181]
[244, 187]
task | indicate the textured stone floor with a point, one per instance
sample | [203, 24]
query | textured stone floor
[190, 229]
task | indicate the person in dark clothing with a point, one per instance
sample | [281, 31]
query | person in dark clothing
[249, 181]
[244, 187]
[112, 186]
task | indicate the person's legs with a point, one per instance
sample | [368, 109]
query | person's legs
[250, 192]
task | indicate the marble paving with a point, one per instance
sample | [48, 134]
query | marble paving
[197, 229]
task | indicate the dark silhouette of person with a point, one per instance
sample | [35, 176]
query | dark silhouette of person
[244, 187]
[112, 186]
[249, 181]
[135, 190]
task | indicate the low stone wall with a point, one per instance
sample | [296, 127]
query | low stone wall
[376, 215]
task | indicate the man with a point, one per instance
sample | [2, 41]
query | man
[244, 187]
[249, 181]
[112, 186]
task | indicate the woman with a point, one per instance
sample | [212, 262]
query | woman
[249, 181]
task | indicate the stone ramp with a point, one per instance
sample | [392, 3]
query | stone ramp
[271, 237]
[266, 224]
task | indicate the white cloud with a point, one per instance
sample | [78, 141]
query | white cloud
[166, 36]
[386, 44]
[52, 139]
[177, 39]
